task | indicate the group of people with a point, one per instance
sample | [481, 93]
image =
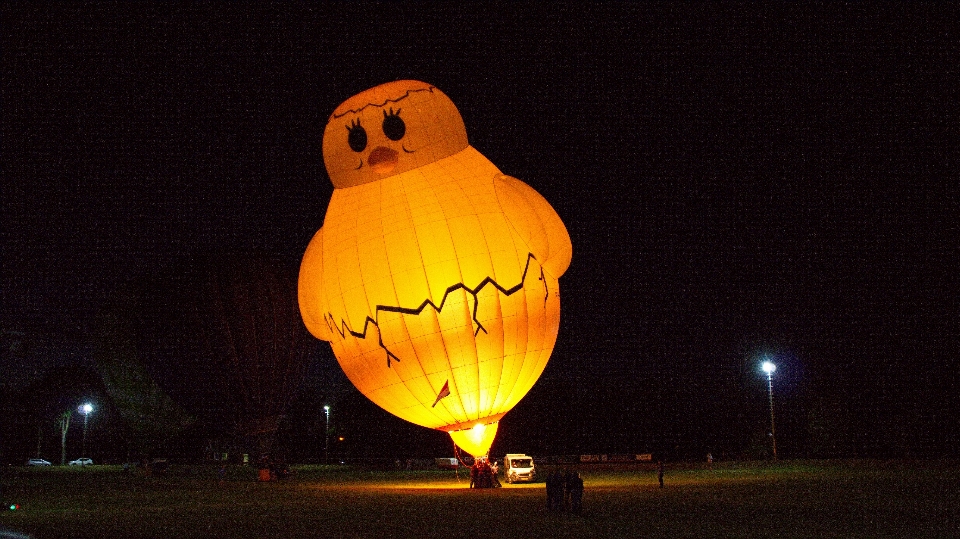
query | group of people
[483, 474]
[270, 470]
[564, 491]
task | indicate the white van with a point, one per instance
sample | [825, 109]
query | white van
[518, 467]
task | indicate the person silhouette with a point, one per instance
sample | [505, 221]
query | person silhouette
[575, 486]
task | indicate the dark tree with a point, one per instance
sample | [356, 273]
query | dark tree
[150, 415]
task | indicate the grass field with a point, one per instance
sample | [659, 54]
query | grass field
[789, 499]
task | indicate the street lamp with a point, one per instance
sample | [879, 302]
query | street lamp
[85, 409]
[326, 436]
[768, 367]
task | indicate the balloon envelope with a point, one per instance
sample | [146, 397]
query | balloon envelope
[434, 278]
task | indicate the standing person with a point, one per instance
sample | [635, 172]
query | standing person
[568, 477]
[487, 474]
[264, 473]
[558, 488]
[660, 472]
[576, 493]
[550, 490]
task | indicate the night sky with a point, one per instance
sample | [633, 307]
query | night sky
[736, 182]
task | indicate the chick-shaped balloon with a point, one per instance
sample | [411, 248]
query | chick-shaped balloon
[434, 276]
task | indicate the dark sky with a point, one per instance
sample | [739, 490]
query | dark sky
[735, 182]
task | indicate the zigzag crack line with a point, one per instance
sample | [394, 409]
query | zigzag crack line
[343, 328]
[546, 289]
[401, 98]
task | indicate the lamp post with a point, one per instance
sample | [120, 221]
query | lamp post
[85, 409]
[326, 435]
[768, 367]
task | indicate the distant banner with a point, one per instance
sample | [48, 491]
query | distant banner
[447, 463]
[619, 458]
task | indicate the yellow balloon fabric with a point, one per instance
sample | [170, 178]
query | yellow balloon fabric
[434, 277]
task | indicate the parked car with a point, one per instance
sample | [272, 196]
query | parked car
[81, 462]
[38, 462]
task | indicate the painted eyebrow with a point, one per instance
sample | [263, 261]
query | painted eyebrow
[401, 98]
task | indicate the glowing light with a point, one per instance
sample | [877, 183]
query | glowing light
[477, 439]
[434, 277]
[768, 367]
[86, 408]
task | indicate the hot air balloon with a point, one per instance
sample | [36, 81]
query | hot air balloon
[434, 276]
[252, 329]
[225, 341]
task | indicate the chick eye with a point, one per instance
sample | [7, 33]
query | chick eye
[393, 126]
[357, 139]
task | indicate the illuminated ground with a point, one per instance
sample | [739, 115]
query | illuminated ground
[793, 499]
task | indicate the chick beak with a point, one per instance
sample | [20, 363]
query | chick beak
[383, 160]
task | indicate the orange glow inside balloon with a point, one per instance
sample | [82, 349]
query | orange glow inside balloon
[434, 276]
[477, 439]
